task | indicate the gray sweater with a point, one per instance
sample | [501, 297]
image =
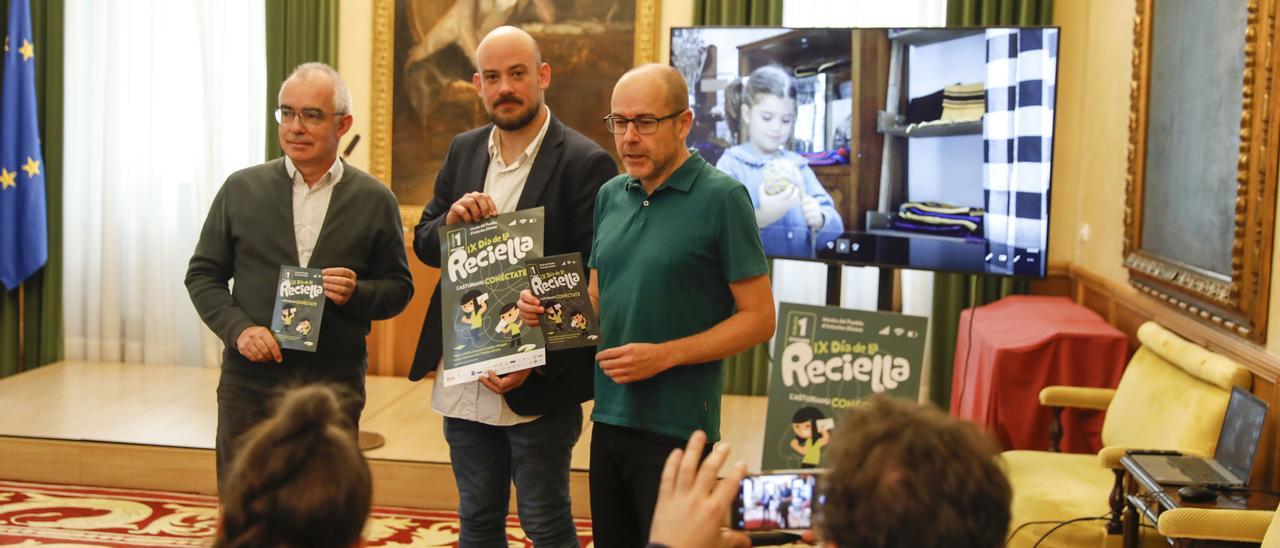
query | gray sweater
[249, 235]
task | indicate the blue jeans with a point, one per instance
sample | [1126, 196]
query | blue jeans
[535, 455]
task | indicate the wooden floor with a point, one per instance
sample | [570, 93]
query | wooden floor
[152, 427]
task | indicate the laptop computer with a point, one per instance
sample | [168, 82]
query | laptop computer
[1233, 459]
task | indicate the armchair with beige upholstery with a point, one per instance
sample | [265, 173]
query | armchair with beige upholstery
[1184, 525]
[1173, 395]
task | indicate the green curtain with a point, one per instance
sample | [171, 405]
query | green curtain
[748, 372]
[31, 334]
[737, 12]
[953, 293]
[298, 31]
[977, 13]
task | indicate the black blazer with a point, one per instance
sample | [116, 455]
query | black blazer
[564, 179]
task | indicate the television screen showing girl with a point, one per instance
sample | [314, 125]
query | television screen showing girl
[913, 148]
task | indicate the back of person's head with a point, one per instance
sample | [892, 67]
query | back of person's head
[299, 479]
[905, 475]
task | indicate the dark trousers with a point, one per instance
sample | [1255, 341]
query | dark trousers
[535, 456]
[626, 466]
[243, 402]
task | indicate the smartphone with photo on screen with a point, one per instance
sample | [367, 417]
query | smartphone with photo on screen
[782, 500]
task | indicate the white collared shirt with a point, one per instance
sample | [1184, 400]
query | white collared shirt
[310, 204]
[504, 183]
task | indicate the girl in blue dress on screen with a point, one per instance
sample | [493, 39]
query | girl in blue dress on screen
[795, 214]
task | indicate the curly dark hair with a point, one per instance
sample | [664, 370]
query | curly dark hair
[906, 475]
[300, 479]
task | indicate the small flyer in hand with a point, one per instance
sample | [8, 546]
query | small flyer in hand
[560, 283]
[299, 308]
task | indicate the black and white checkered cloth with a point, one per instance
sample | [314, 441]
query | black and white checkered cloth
[1017, 133]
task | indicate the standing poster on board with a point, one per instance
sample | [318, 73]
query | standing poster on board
[825, 360]
[482, 274]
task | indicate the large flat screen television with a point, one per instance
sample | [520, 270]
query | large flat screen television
[913, 148]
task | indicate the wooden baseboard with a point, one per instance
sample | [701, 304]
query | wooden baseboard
[423, 485]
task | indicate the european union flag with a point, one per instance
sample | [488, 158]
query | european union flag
[24, 242]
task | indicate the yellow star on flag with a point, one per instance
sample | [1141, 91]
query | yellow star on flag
[32, 167]
[6, 178]
[26, 50]
[6, 43]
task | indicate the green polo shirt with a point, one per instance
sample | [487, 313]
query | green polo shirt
[665, 262]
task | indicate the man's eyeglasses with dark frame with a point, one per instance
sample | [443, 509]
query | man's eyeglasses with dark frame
[645, 125]
[311, 117]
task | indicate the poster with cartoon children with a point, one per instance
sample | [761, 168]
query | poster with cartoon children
[299, 308]
[560, 282]
[827, 360]
[483, 271]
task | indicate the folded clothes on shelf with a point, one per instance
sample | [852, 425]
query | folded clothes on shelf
[952, 104]
[832, 157]
[924, 228]
[963, 102]
[925, 108]
[938, 218]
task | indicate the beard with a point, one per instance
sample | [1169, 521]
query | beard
[516, 120]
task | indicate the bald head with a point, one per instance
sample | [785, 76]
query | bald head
[511, 79]
[657, 95]
[509, 39]
[674, 89]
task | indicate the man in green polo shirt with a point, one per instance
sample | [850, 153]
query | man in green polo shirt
[681, 282]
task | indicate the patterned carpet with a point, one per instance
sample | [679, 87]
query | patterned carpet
[64, 516]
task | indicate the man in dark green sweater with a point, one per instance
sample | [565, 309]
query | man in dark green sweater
[307, 209]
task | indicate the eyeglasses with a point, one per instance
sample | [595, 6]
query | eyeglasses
[645, 125]
[311, 117]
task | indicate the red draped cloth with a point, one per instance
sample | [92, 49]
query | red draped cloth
[1023, 343]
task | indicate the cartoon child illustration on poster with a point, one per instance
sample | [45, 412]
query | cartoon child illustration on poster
[555, 313]
[471, 315]
[578, 321]
[304, 327]
[804, 424]
[510, 323]
[287, 312]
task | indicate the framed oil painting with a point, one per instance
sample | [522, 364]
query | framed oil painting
[423, 60]
[1201, 187]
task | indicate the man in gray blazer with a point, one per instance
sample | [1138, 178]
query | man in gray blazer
[520, 427]
[307, 209]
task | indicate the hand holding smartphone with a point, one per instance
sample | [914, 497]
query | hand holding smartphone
[780, 500]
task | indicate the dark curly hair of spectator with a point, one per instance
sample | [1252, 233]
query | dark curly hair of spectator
[300, 479]
[905, 475]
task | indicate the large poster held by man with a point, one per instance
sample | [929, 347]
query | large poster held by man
[482, 274]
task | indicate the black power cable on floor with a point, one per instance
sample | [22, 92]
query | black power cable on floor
[1068, 522]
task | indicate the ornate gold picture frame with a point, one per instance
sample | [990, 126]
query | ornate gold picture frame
[1201, 185]
[644, 49]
